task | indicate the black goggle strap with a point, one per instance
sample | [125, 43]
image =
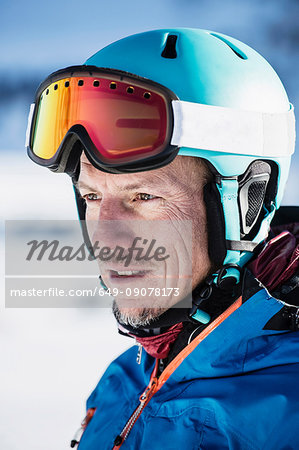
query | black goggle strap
[81, 208]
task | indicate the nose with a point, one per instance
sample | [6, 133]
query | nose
[111, 208]
[113, 224]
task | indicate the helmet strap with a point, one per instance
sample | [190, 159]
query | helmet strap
[228, 188]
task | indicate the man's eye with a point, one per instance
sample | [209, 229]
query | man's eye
[144, 196]
[91, 197]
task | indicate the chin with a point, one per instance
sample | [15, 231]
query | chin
[136, 317]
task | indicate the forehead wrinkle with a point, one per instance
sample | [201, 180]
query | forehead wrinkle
[89, 176]
[167, 178]
[92, 176]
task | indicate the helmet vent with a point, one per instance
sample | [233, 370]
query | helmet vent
[233, 47]
[256, 194]
[169, 49]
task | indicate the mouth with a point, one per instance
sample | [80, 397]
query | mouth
[127, 273]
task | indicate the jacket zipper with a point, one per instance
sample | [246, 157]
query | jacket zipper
[156, 383]
[143, 399]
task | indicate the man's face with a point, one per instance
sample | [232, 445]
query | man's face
[163, 206]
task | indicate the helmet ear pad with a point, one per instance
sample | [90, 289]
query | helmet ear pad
[216, 224]
[257, 189]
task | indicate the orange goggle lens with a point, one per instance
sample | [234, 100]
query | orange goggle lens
[124, 121]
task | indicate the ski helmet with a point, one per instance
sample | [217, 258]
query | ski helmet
[230, 109]
[210, 68]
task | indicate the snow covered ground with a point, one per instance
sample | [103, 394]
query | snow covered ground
[51, 359]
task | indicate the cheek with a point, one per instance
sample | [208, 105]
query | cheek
[191, 212]
[91, 209]
[200, 234]
[178, 211]
[190, 209]
[201, 264]
[91, 216]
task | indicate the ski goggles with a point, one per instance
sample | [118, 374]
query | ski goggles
[120, 119]
[129, 124]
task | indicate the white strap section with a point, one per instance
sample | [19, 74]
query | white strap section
[233, 131]
[30, 116]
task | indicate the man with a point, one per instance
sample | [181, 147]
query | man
[185, 125]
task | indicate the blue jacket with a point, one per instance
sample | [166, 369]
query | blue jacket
[238, 389]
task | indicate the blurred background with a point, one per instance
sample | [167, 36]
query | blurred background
[51, 359]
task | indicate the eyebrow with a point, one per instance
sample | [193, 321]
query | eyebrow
[128, 187]
[81, 185]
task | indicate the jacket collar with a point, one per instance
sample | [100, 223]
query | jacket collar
[240, 343]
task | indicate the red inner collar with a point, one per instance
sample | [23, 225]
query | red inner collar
[159, 346]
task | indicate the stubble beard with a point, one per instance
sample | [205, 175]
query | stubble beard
[136, 318]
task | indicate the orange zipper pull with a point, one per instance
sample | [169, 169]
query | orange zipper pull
[149, 390]
[78, 435]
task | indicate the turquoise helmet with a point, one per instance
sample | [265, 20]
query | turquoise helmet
[208, 68]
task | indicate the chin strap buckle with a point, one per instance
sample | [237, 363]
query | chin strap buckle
[205, 293]
[226, 277]
[228, 274]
